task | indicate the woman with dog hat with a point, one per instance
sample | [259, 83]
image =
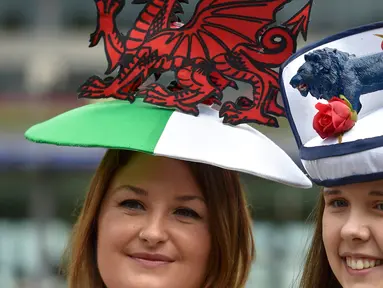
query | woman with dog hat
[165, 207]
[333, 94]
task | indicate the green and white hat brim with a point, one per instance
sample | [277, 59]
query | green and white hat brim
[166, 132]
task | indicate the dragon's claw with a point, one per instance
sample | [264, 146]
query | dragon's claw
[94, 38]
[158, 95]
[234, 114]
[244, 102]
[228, 109]
[158, 89]
[169, 102]
[93, 88]
[153, 97]
[275, 109]
[211, 101]
[96, 88]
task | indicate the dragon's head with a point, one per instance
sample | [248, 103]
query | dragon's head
[170, 10]
[176, 8]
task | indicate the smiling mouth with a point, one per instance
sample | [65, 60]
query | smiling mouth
[362, 263]
[151, 261]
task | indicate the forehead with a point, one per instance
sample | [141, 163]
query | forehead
[365, 188]
[155, 173]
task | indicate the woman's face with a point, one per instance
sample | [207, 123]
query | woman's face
[153, 227]
[353, 233]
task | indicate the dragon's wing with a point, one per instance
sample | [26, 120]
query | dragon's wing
[216, 27]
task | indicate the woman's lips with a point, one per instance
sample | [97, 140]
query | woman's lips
[151, 260]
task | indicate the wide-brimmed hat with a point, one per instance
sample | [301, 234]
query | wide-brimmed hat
[180, 120]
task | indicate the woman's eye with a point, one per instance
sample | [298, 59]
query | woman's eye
[187, 213]
[379, 206]
[338, 203]
[132, 204]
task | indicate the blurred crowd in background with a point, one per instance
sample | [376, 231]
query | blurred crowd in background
[44, 57]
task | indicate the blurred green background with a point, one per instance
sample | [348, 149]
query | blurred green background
[44, 57]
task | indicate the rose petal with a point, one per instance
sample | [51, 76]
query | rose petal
[329, 112]
[322, 134]
[329, 129]
[316, 121]
[325, 120]
[349, 124]
[335, 99]
[346, 126]
[317, 127]
[341, 109]
[338, 120]
[323, 107]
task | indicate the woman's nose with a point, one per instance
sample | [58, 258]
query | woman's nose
[154, 231]
[355, 228]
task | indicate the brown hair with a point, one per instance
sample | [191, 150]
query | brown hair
[232, 241]
[317, 272]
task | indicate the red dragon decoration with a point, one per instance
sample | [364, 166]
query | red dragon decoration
[224, 41]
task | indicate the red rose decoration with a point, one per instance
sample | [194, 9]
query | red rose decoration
[334, 118]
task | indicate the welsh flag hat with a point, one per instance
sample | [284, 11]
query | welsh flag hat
[187, 118]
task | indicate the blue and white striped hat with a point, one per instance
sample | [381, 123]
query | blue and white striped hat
[344, 73]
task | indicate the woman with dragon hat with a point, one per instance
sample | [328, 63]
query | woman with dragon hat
[341, 147]
[165, 207]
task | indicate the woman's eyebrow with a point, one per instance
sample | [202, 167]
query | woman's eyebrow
[135, 189]
[190, 198]
[330, 192]
[376, 193]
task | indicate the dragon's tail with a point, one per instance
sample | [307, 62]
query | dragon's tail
[300, 21]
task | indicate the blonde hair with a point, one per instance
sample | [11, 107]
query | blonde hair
[233, 247]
